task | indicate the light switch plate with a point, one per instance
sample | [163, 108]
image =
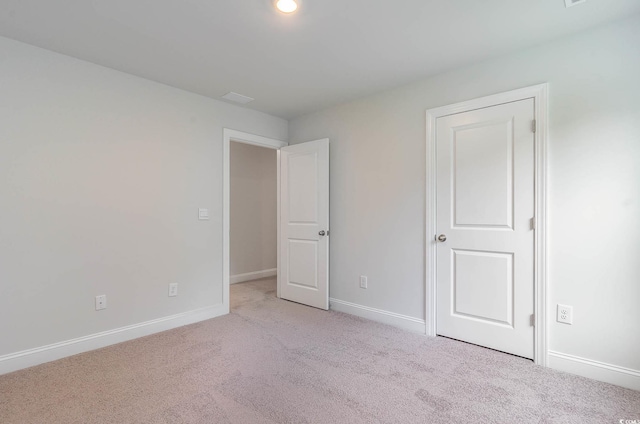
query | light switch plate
[203, 214]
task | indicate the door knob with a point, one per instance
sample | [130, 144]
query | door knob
[442, 238]
[321, 233]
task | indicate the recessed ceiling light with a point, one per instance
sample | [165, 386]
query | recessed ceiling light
[287, 6]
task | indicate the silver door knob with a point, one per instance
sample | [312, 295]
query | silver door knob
[442, 238]
[321, 233]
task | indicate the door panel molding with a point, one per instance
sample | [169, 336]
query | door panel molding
[540, 95]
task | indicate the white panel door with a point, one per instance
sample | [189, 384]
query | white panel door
[485, 206]
[304, 223]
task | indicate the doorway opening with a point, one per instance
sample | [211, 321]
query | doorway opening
[250, 208]
[253, 218]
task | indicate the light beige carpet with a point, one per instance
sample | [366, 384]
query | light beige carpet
[273, 361]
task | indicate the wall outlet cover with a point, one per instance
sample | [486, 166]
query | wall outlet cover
[565, 314]
[101, 302]
[363, 282]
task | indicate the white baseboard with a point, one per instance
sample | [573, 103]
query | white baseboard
[414, 325]
[28, 358]
[241, 278]
[600, 371]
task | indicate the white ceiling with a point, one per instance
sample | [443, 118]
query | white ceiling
[330, 52]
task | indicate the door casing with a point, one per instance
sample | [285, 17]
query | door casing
[540, 95]
[229, 135]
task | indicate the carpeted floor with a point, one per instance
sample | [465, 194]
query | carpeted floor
[272, 361]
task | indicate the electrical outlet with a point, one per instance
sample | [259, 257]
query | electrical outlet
[101, 302]
[363, 282]
[565, 314]
[173, 289]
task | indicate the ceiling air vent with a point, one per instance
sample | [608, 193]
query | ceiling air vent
[569, 3]
[238, 98]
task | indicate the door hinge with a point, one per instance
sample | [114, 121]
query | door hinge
[533, 223]
[533, 320]
[533, 125]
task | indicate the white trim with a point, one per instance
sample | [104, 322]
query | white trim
[613, 374]
[248, 276]
[405, 322]
[541, 102]
[229, 135]
[278, 282]
[40, 355]
[540, 95]
[256, 140]
[430, 228]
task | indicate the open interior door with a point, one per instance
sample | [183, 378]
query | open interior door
[304, 223]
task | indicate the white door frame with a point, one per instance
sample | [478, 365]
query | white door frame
[229, 135]
[540, 95]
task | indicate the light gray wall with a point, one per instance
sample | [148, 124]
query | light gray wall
[101, 177]
[253, 226]
[378, 185]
